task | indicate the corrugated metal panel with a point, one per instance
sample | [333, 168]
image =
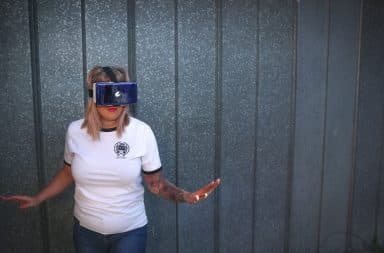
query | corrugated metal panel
[18, 163]
[370, 125]
[156, 75]
[339, 123]
[238, 116]
[268, 95]
[274, 105]
[312, 42]
[60, 72]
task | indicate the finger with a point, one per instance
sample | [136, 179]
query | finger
[208, 188]
[203, 196]
[195, 199]
[18, 198]
[26, 205]
[23, 201]
[212, 185]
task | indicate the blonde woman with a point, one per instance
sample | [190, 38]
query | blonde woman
[106, 155]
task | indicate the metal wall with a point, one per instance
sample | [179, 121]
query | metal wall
[283, 100]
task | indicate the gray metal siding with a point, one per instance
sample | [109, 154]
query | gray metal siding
[283, 100]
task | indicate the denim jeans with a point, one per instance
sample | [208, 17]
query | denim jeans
[87, 241]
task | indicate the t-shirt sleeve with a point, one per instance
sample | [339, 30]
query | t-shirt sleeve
[151, 159]
[68, 149]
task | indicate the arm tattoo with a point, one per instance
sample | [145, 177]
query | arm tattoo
[160, 186]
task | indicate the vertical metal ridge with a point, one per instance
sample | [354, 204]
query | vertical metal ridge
[38, 122]
[256, 115]
[84, 50]
[352, 179]
[176, 51]
[218, 117]
[328, 24]
[131, 23]
[380, 182]
[131, 41]
[292, 133]
[378, 234]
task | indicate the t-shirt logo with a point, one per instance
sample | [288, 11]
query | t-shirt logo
[121, 149]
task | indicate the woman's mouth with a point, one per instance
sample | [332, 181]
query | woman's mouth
[112, 109]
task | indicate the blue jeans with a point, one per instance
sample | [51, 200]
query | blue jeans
[88, 241]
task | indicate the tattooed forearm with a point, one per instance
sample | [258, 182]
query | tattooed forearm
[159, 185]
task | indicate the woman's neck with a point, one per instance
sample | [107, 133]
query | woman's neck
[108, 124]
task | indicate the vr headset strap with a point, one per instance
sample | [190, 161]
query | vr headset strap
[90, 93]
[110, 74]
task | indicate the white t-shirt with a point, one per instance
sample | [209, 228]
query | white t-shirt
[109, 195]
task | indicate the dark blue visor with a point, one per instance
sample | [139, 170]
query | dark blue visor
[110, 93]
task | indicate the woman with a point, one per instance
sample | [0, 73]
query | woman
[106, 155]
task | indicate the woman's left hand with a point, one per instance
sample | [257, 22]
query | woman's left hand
[202, 193]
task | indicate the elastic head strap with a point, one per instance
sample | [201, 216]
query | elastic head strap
[90, 93]
[110, 74]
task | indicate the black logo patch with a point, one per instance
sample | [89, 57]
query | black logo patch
[121, 149]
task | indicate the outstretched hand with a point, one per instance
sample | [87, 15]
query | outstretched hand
[23, 201]
[202, 193]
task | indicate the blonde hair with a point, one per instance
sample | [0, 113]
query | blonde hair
[91, 118]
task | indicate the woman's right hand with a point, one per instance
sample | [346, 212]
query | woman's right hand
[59, 183]
[23, 201]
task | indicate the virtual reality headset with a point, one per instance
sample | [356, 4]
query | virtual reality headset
[114, 93]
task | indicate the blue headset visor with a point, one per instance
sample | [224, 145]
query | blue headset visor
[111, 93]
